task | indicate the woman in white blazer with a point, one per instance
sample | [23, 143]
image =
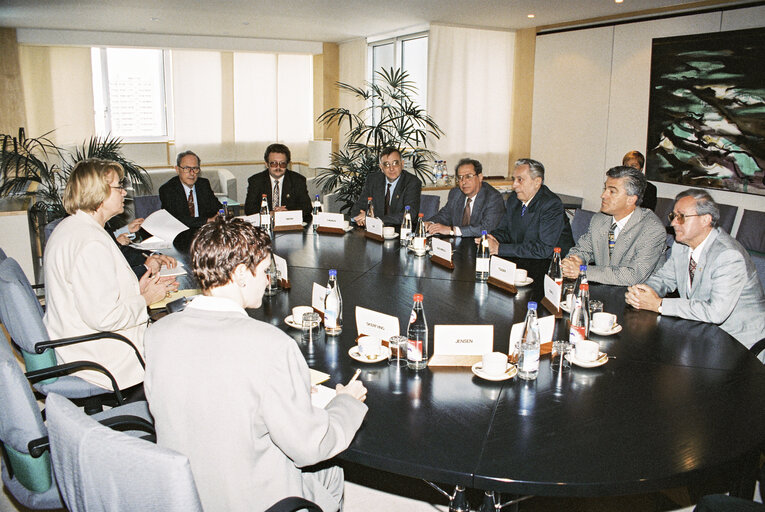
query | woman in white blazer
[90, 287]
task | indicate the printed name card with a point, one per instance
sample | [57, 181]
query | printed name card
[317, 297]
[552, 291]
[376, 324]
[288, 218]
[546, 328]
[332, 220]
[253, 219]
[502, 270]
[281, 267]
[461, 345]
[441, 248]
[374, 226]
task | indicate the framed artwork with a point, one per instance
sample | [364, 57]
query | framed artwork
[706, 117]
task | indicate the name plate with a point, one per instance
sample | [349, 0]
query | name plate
[332, 220]
[374, 226]
[376, 324]
[546, 328]
[317, 297]
[502, 270]
[552, 291]
[281, 267]
[253, 219]
[441, 248]
[288, 218]
[461, 345]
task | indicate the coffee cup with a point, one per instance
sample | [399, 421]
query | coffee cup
[347, 225]
[370, 346]
[603, 321]
[299, 311]
[389, 231]
[587, 350]
[520, 275]
[494, 363]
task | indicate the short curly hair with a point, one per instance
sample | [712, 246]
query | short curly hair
[220, 246]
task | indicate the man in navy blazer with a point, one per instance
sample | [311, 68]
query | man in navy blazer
[713, 274]
[400, 188]
[290, 185]
[534, 223]
[472, 200]
[187, 197]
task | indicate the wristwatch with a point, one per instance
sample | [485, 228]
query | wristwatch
[659, 308]
[451, 232]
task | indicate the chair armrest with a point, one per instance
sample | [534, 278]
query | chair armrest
[39, 446]
[67, 368]
[44, 345]
[292, 504]
[126, 423]
[758, 347]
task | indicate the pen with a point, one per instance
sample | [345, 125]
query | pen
[355, 376]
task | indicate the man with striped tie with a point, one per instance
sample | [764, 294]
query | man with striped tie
[624, 243]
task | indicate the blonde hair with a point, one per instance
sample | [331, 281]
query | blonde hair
[88, 186]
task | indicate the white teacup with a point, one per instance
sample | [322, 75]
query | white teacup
[494, 363]
[520, 275]
[603, 321]
[370, 346]
[347, 225]
[299, 311]
[587, 350]
[389, 231]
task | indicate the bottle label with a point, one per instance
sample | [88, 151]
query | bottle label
[330, 319]
[576, 333]
[418, 243]
[530, 360]
[265, 220]
[405, 233]
[414, 350]
[482, 264]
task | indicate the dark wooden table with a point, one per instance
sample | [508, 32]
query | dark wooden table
[680, 401]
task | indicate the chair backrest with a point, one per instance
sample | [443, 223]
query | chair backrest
[49, 227]
[751, 231]
[580, 223]
[664, 207]
[30, 479]
[99, 469]
[146, 205]
[2, 255]
[429, 205]
[727, 216]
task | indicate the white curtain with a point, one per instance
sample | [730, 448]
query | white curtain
[470, 83]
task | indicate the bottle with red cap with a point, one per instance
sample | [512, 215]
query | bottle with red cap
[417, 333]
[580, 315]
[420, 236]
[370, 207]
[265, 216]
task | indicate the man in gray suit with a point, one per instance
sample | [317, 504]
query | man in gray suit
[624, 242]
[713, 274]
[472, 206]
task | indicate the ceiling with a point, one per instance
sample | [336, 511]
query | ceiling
[316, 20]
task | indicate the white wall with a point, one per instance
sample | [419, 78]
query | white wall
[591, 92]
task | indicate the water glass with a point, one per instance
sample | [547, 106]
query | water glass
[558, 356]
[310, 327]
[596, 306]
[397, 346]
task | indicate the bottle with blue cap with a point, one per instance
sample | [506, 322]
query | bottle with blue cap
[333, 306]
[528, 362]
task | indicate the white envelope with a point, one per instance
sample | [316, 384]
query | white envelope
[441, 248]
[281, 266]
[376, 324]
[461, 345]
[546, 328]
[374, 226]
[288, 218]
[317, 297]
[552, 291]
[502, 269]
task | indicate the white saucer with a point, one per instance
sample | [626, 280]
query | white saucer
[527, 282]
[509, 373]
[615, 329]
[289, 321]
[600, 361]
[382, 356]
[391, 237]
[564, 306]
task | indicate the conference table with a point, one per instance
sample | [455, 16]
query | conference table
[678, 402]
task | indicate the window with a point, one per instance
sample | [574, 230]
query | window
[409, 53]
[129, 93]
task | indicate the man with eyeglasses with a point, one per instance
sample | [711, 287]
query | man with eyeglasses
[284, 189]
[624, 243]
[187, 197]
[472, 206]
[391, 191]
[713, 274]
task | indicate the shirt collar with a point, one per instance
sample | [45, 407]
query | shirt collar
[696, 253]
[209, 303]
[394, 182]
[187, 188]
[624, 220]
[274, 180]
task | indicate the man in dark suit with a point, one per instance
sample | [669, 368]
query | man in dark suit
[188, 197]
[285, 189]
[472, 206]
[534, 223]
[636, 160]
[391, 191]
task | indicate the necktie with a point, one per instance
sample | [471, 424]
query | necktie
[191, 203]
[691, 269]
[523, 210]
[466, 214]
[275, 200]
[387, 200]
[611, 239]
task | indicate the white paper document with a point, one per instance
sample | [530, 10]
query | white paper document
[281, 267]
[552, 291]
[374, 226]
[442, 249]
[502, 269]
[288, 218]
[322, 396]
[546, 328]
[376, 324]
[317, 297]
[461, 345]
[178, 270]
[163, 225]
[152, 244]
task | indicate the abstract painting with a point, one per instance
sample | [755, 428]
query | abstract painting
[706, 118]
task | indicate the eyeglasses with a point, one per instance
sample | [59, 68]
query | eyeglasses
[190, 170]
[274, 165]
[392, 163]
[465, 177]
[123, 185]
[681, 216]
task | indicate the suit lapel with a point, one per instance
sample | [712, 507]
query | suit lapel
[625, 235]
[701, 265]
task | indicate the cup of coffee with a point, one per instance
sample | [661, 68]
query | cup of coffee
[494, 364]
[603, 321]
[389, 231]
[587, 350]
[346, 225]
[520, 275]
[299, 311]
[370, 346]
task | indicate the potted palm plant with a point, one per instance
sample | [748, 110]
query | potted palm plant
[390, 117]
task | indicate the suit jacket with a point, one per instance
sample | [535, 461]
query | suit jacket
[174, 200]
[293, 193]
[649, 197]
[406, 193]
[488, 208]
[637, 252]
[248, 426]
[726, 290]
[534, 235]
[90, 287]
